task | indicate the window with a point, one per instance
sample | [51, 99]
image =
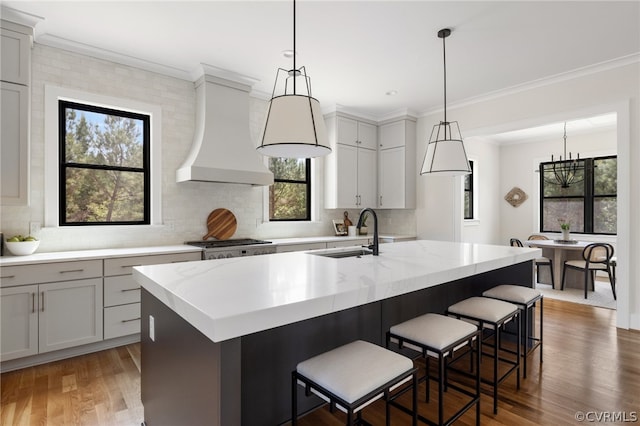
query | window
[468, 193]
[290, 194]
[589, 206]
[104, 166]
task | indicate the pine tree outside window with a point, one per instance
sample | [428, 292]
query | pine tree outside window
[104, 166]
[290, 194]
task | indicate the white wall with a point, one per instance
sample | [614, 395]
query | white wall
[185, 206]
[486, 227]
[613, 89]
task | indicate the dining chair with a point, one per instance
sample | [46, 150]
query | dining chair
[537, 237]
[540, 261]
[596, 257]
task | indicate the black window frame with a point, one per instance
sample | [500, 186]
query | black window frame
[469, 178]
[588, 198]
[63, 105]
[307, 182]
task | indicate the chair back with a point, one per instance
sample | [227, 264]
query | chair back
[514, 242]
[537, 237]
[598, 253]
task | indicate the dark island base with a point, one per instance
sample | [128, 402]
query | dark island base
[189, 380]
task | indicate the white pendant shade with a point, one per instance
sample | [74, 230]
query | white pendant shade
[294, 128]
[445, 156]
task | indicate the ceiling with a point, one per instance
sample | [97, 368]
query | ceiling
[354, 51]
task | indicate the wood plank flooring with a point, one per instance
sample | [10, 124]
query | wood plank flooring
[589, 366]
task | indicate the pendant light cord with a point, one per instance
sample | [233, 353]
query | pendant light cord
[444, 61]
[294, 47]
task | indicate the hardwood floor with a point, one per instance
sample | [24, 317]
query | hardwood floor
[589, 366]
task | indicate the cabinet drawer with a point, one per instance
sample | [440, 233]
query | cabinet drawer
[123, 265]
[49, 272]
[121, 320]
[121, 290]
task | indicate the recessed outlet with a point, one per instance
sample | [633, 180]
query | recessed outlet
[152, 328]
[34, 227]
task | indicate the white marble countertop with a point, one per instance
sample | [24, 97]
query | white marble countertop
[64, 256]
[228, 298]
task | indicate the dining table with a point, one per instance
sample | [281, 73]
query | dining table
[559, 251]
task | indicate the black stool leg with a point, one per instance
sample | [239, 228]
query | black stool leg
[294, 399]
[496, 342]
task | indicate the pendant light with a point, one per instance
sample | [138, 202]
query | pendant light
[294, 126]
[445, 153]
[564, 172]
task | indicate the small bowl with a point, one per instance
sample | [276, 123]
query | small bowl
[22, 248]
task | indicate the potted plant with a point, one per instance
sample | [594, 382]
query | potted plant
[363, 226]
[565, 227]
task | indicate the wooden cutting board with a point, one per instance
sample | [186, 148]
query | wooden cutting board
[221, 224]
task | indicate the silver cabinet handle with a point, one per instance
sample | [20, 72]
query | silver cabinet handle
[33, 303]
[130, 320]
[71, 271]
[42, 298]
[7, 277]
[131, 266]
[130, 289]
[381, 200]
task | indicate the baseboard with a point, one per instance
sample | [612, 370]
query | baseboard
[30, 361]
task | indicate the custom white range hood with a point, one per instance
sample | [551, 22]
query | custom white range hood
[222, 149]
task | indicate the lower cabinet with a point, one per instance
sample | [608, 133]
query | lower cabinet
[48, 317]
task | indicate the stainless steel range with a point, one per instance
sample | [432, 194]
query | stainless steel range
[222, 249]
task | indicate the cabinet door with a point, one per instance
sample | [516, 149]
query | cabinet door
[346, 131]
[347, 176]
[392, 178]
[15, 49]
[70, 314]
[19, 322]
[14, 149]
[367, 178]
[392, 135]
[367, 135]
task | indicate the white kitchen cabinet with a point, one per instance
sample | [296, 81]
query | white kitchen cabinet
[19, 322]
[40, 316]
[122, 292]
[15, 76]
[14, 150]
[70, 314]
[15, 48]
[350, 170]
[397, 165]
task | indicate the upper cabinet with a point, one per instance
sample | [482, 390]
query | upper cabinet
[351, 168]
[16, 55]
[15, 66]
[397, 165]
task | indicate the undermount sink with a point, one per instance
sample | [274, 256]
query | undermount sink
[337, 254]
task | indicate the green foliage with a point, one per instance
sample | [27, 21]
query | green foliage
[288, 195]
[97, 195]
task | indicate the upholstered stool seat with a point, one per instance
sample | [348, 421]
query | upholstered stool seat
[352, 376]
[438, 336]
[526, 299]
[492, 314]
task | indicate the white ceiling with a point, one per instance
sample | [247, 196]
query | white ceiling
[354, 51]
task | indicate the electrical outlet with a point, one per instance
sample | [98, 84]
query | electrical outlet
[170, 225]
[152, 328]
[34, 228]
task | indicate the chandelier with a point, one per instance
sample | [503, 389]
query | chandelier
[564, 172]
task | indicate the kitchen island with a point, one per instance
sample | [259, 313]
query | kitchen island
[221, 337]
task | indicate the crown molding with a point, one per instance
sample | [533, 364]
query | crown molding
[20, 18]
[546, 81]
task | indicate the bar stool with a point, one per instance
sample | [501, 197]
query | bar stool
[438, 336]
[353, 376]
[525, 298]
[493, 315]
